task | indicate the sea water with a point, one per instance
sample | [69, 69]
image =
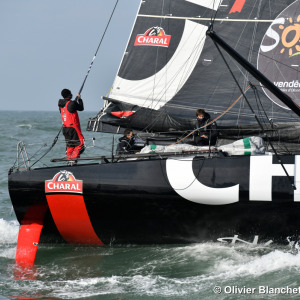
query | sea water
[198, 271]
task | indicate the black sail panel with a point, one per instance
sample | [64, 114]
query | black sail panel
[170, 67]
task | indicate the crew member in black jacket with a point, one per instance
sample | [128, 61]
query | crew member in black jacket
[207, 135]
[126, 143]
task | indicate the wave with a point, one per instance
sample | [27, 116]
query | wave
[28, 126]
[8, 232]
[181, 272]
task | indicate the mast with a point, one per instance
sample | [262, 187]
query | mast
[255, 73]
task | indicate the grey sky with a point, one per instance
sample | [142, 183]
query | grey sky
[47, 45]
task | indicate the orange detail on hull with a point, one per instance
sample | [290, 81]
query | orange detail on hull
[27, 245]
[29, 235]
[72, 220]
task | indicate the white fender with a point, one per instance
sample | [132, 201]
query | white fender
[182, 179]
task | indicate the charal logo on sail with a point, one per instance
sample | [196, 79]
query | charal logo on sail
[154, 36]
[63, 182]
[279, 51]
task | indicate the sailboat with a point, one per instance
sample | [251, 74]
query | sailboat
[238, 60]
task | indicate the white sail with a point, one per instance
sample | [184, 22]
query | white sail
[155, 91]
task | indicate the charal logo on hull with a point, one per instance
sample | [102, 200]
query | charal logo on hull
[154, 36]
[63, 182]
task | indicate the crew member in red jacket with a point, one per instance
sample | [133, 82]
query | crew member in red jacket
[71, 124]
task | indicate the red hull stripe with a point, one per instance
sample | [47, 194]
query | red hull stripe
[237, 6]
[72, 220]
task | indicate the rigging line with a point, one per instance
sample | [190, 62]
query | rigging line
[275, 63]
[90, 67]
[215, 119]
[33, 155]
[270, 8]
[205, 19]
[242, 106]
[260, 53]
[83, 83]
[290, 114]
[259, 101]
[259, 123]
[170, 83]
[186, 66]
[237, 43]
[259, 112]
[50, 148]
[174, 79]
[185, 63]
[156, 60]
[253, 37]
[177, 73]
[240, 36]
[273, 130]
[213, 17]
[198, 48]
[220, 109]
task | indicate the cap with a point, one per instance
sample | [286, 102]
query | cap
[66, 93]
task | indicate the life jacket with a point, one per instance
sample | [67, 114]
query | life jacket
[69, 119]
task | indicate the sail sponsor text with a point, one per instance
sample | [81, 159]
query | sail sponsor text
[154, 36]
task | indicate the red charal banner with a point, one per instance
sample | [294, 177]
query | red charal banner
[154, 36]
[63, 182]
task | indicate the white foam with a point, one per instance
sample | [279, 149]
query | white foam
[259, 265]
[9, 253]
[134, 285]
[8, 232]
[29, 126]
[228, 264]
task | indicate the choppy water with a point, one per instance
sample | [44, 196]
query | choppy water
[128, 272]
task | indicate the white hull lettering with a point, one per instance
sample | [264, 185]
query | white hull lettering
[262, 170]
[182, 179]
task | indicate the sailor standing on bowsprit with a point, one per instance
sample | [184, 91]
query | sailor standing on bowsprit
[71, 125]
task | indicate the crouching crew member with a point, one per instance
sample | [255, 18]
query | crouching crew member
[126, 143]
[207, 135]
[71, 124]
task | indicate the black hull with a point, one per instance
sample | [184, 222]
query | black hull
[134, 201]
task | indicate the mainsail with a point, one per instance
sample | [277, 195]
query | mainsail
[170, 67]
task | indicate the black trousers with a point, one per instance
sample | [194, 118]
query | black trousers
[201, 141]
